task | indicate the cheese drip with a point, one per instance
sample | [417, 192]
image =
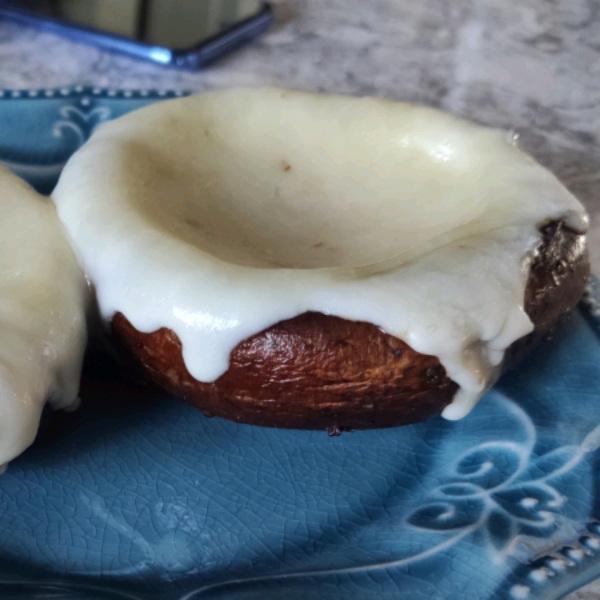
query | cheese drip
[219, 215]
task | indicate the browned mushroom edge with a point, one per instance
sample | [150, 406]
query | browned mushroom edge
[322, 372]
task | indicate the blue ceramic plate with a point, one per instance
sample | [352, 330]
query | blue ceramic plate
[137, 496]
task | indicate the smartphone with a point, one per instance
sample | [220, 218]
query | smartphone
[188, 34]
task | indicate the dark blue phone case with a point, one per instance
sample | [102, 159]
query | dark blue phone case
[193, 58]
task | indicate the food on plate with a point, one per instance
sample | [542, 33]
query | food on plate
[301, 260]
[43, 301]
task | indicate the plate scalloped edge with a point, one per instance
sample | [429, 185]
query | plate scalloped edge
[62, 120]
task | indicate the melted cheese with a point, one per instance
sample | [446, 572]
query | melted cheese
[43, 297]
[221, 214]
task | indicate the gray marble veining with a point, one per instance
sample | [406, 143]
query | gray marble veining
[528, 65]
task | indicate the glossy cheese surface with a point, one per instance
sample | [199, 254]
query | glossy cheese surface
[221, 214]
[43, 301]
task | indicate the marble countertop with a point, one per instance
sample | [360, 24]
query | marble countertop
[532, 66]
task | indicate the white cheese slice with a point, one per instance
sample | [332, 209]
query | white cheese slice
[43, 300]
[221, 214]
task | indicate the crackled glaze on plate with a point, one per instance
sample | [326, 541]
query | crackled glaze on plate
[146, 498]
